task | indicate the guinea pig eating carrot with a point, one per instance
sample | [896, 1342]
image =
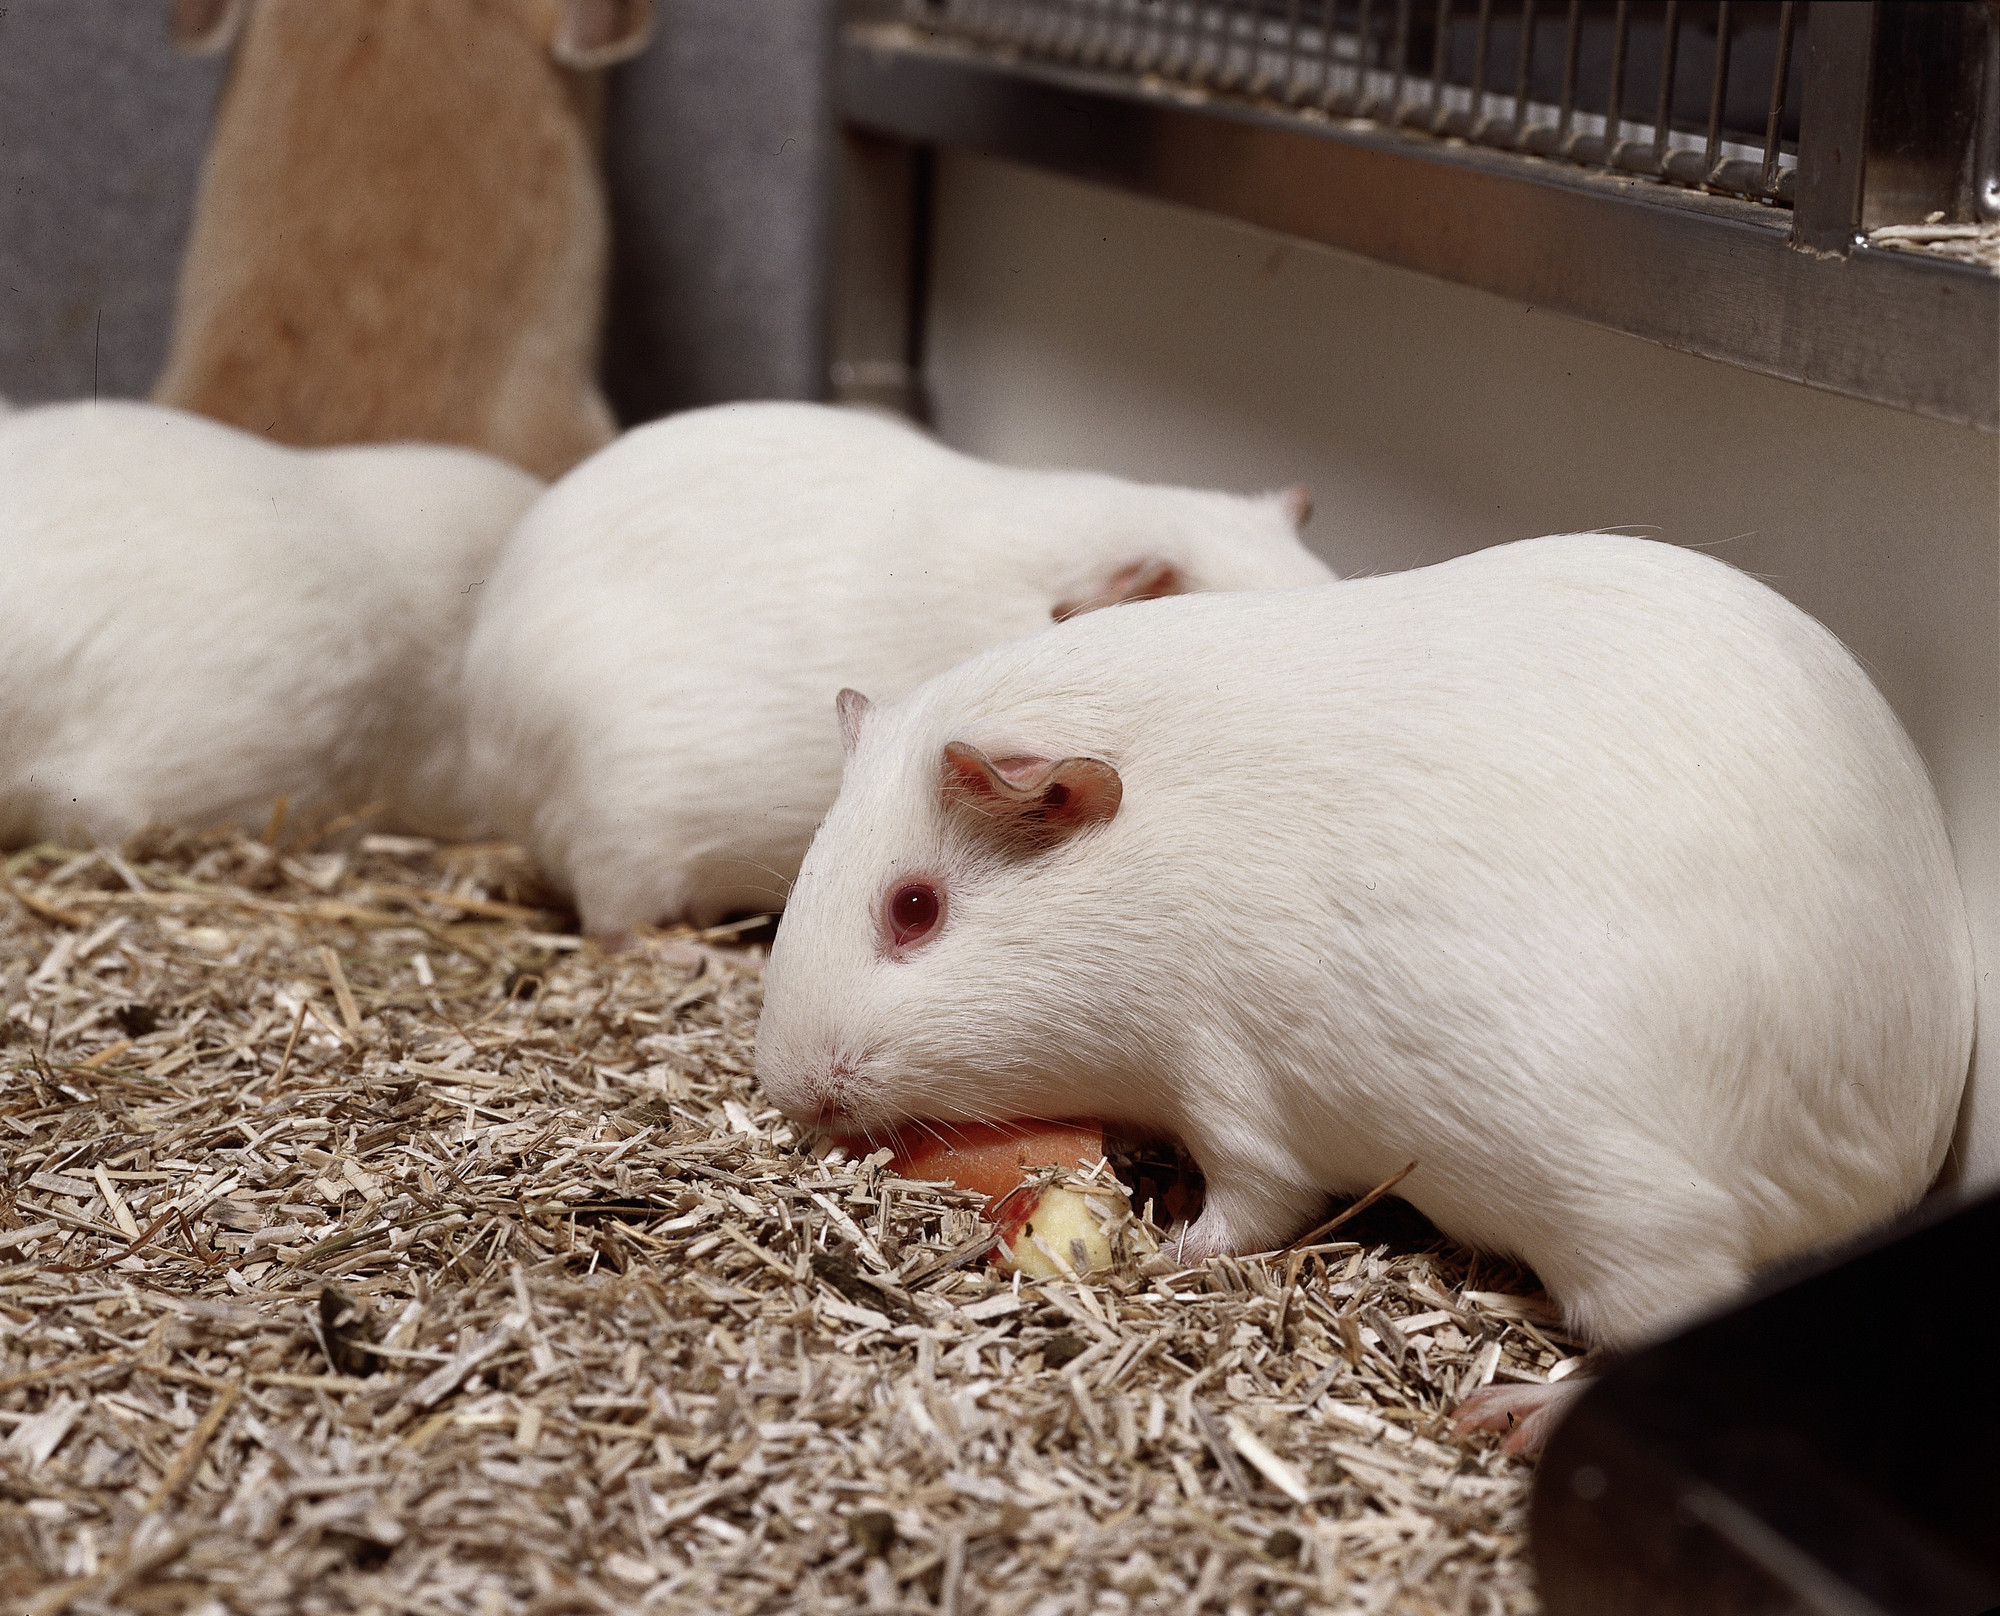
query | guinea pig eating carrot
[1586, 871]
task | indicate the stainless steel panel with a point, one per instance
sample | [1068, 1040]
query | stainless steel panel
[882, 254]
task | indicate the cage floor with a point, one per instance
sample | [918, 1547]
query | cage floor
[367, 1244]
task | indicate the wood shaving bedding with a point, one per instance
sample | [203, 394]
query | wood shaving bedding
[368, 1244]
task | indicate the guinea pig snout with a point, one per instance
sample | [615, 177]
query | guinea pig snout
[830, 1086]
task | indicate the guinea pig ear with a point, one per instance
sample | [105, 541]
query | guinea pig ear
[1297, 504]
[853, 707]
[1029, 804]
[1148, 578]
[600, 33]
[205, 27]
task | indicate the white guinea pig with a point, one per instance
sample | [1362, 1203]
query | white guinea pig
[1585, 871]
[196, 622]
[658, 649]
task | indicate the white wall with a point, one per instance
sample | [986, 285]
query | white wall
[1076, 326]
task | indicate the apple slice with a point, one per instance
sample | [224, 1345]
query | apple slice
[1060, 1222]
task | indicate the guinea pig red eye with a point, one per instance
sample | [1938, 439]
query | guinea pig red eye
[914, 908]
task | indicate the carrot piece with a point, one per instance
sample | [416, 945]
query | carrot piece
[995, 1158]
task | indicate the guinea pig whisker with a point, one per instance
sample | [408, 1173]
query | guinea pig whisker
[785, 882]
[770, 894]
[930, 1128]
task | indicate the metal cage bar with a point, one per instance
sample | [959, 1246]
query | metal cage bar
[1689, 151]
[1437, 70]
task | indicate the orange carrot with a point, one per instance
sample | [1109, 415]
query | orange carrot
[996, 1158]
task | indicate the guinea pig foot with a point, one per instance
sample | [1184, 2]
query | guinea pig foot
[1192, 1243]
[1233, 1225]
[1527, 1414]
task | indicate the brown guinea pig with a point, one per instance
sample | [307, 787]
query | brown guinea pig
[401, 231]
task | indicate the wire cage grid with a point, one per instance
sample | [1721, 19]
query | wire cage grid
[1697, 95]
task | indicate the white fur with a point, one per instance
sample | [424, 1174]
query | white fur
[1586, 871]
[656, 659]
[194, 622]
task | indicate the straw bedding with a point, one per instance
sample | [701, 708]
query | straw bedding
[368, 1243]
[1967, 243]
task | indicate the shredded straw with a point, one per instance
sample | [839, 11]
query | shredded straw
[369, 1243]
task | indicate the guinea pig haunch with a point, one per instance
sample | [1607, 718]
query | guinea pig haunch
[196, 622]
[1586, 871]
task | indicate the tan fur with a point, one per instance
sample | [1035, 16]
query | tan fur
[401, 234]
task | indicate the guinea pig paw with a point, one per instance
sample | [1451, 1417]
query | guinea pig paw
[1190, 1244]
[1527, 1414]
[1245, 1208]
[1212, 1234]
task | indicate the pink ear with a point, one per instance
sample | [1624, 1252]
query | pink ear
[601, 33]
[852, 707]
[1028, 804]
[204, 27]
[1298, 503]
[1148, 578]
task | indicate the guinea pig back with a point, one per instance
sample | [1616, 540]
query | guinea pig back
[402, 231]
[663, 638]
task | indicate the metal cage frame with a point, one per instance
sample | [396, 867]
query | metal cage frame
[1571, 154]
